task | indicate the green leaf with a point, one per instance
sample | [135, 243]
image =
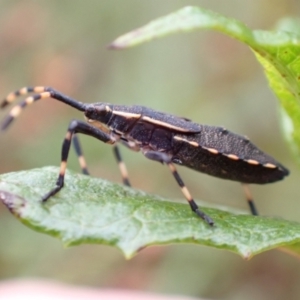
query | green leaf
[277, 51]
[91, 210]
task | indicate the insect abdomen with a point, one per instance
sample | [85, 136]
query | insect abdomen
[218, 152]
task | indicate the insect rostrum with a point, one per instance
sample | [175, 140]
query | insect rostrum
[160, 137]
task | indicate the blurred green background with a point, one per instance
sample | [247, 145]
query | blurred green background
[204, 76]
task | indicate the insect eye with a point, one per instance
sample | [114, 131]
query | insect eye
[94, 111]
[98, 112]
[89, 112]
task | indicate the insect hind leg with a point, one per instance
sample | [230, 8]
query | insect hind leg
[250, 199]
[164, 158]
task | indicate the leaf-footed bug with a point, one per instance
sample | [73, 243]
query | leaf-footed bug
[160, 137]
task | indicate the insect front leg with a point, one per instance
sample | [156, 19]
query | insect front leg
[164, 158]
[75, 127]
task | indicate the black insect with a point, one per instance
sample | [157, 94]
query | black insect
[161, 137]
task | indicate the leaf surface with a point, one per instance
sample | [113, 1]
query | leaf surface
[91, 210]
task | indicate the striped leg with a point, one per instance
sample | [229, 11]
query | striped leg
[188, 196]
[117, 154]
[121, 165]
[250, 199]
[40, 92]
[164, 158]
[75, 127]
[80, 156]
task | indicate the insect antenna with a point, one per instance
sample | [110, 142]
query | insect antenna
[40, 93]
[21, 92]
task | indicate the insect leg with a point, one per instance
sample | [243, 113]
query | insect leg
[250, 199]
[121, 165]
[40, 93]
[79, 154]
[188, 196]
[164, 158]
[75, 127]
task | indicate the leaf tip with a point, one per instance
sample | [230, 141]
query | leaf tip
[247, 255]
[12, 202]
[113, 46]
